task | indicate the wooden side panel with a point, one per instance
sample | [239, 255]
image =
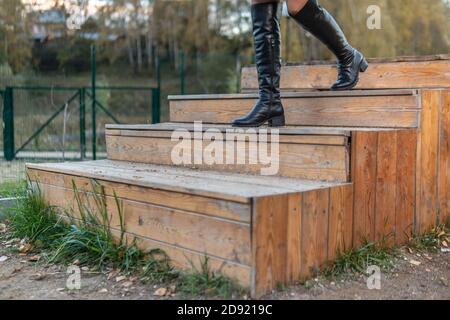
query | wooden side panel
[216, 237]
[294, 237]
[405, 185]
[269, 243]
[444, 159]
[209, 206]
[384, 179]
[303, 161]
[423, 74]
[427, 165]
[340, 225]
[364, 171]
[368, 111]
[386, 191]
[315, 213]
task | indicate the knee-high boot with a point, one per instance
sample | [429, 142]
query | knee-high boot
[321, 24]
[267, 43]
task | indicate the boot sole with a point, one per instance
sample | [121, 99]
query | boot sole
[278, 121]
[363, 66]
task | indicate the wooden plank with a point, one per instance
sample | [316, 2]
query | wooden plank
[386, 180]
[300, 94]
[369, 111]
[209, 206]
[159, 128]
[424, 74]
[340, 225]
[315, 162]
[225, 239]
[444, 159]
[283, 138]
[186, 259]
[364, 155]
[314, 241]
[405, 185]
[269, 243]
[294, 237]
[427, 176]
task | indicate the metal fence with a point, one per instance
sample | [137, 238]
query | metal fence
[66, 123]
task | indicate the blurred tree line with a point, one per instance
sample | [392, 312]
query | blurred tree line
[132, 36]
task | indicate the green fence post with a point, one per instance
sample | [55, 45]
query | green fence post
[8, 124]
[94, 115]
[82, 98]
[156, 105]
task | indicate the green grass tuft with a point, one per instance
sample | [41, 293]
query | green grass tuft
[32, 219]
[358, 260]
[157, 268]
[203, 282]
[432, 240]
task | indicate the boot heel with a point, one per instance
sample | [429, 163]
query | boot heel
[364, 65]
[279, 121]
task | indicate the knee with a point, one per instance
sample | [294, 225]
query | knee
[295, 6]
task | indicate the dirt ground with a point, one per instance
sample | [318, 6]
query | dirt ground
[416, 276]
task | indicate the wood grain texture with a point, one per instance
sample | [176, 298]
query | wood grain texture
[384, 181]
[364, 170]
[216, 237]
[423, 74]
[427, 167]
[386, 191]
[365, 111]
[314, 245]
[340, 225]
[405, 185]
[444, 159]
[269, 243]
[294, 237]
[302, 161]
[204, 205]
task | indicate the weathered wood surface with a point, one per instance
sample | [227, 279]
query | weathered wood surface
[229, 240]
[399, 110]
[386, 75]
[384, 178]
[314, 157]
[444, 159]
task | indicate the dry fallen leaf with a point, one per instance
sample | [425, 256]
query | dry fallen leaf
[34, 258]
[2, 228]
[38, 276]
[25, 248]
[161, 292]
[127, 284]
[120, 278]
[104, 290]
[415, 263]
[444, 243]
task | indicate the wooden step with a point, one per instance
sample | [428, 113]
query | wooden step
[304, 153]
[260, 231]
[402, 72]
[357, 108]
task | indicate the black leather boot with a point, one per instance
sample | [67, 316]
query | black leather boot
[321, 24]
[267, 42]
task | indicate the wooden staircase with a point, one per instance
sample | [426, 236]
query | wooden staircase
[353, 166]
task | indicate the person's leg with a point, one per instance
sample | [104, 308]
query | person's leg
[319, 22]
[267, 43]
